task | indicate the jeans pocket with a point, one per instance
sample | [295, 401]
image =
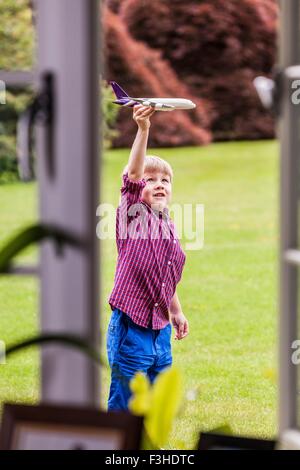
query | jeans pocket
[138, 341]
[164, 342]
[115, 335]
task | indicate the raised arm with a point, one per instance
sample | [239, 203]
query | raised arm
[141, 115]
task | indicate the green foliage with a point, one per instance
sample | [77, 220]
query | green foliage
[30, 235]
[16, 35]
[17, 40]
[15, 103]
[109, 114]
[17, 52]
[8, 163]
[158, 403]
[63, 338]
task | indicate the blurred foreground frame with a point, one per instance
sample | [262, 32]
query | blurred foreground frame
[213, 441]
[46, 427]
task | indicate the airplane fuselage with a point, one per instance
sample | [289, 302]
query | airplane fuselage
[159, 104]
[166, 104]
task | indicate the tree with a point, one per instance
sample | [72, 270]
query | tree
[213, 48]
[17, 44]
[18, 52]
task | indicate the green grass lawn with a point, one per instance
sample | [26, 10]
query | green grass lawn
[228, 290]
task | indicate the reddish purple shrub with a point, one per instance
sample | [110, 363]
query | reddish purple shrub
[195, 48]
[141, 71]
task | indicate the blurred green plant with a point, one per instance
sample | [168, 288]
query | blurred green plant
[17, 39]
[17, 102]
[17, 52]
[58, 338]
[8, 161]
[30, 235]
[158, 403]
[109, 115]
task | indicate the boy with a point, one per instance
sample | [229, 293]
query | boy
[149, 266]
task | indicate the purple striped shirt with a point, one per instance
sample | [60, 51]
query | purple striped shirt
[150, 259]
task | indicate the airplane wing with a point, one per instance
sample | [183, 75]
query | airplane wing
[142, 101]
[146, 102]
[164, 106]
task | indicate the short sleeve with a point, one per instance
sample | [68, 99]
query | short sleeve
[132, 190]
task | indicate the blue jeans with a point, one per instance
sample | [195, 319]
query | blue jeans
[132, 348]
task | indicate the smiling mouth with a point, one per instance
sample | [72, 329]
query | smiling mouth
[159, 195]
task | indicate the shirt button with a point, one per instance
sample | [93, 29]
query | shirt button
[174, 241]
[155, 305]
[163, 284]
[169, 262]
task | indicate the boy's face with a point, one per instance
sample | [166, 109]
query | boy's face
[158, 190]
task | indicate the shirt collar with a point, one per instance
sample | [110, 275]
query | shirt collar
[165, 212]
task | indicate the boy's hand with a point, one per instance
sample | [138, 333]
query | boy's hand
[141, 115]
[180, 324]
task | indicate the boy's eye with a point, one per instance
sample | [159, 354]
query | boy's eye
[149, 179]
[165, 180]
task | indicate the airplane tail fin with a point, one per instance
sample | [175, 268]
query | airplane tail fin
[119, 92]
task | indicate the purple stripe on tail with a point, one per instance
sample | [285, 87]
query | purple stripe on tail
[119, 92]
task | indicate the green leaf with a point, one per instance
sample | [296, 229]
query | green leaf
[223, 429]
[31, 235]
[166, 397]
[141, 394]
[65, 339]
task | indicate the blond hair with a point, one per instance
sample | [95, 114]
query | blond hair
[154, 163]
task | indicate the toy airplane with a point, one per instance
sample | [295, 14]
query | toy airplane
[160, 104]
